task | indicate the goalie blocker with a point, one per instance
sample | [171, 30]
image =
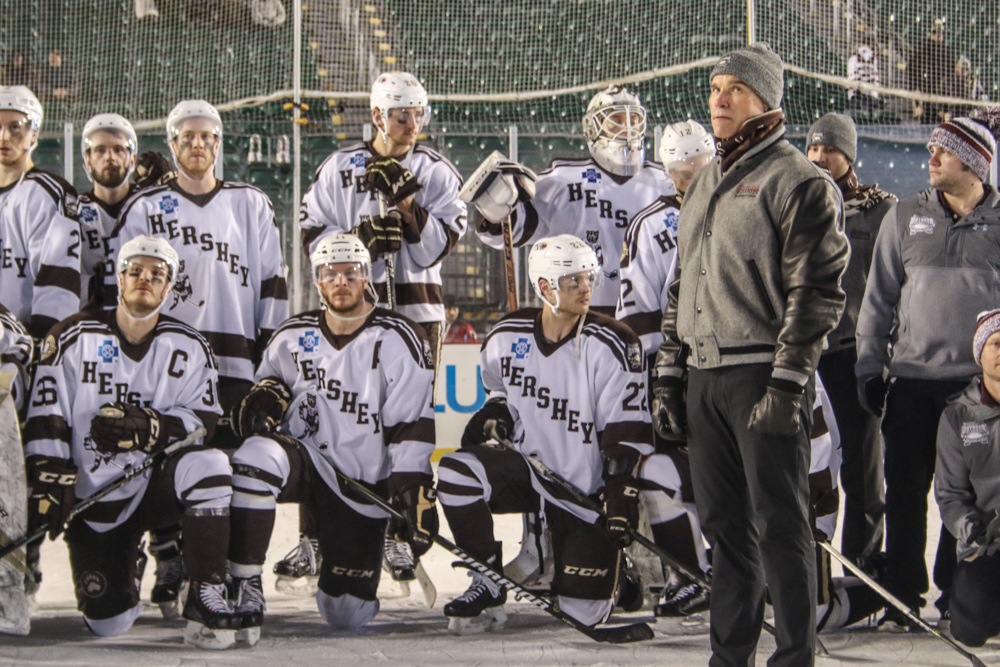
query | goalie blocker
[497, 186]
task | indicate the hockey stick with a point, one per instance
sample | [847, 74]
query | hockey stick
[897, 603]
[508, 265]
[390, 263]
[90, 501]
[620, 634]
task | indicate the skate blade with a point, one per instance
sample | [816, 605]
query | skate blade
[395, 590]
[488, 621]
[248, 636]
[200, 636]
[300, 586]
[695, 624]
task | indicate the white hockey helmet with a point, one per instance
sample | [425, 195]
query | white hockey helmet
[615, 128]
[149, 246]
[398, 90]
[20, 98]
[186, 109]
[557, 256]
[684, 141]
[109, 122]
[342, 249]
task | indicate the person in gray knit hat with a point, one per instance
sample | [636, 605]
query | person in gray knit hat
[932, 272]
[832, 143]
[760, 252]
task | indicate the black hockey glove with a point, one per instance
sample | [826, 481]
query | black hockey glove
[151, 169]
[872, 390]
[52, 493]
[621, 493]
[669, 412]
[262, 410]
[492, 422]
[779, 411]
[123, 427]
[413, 494]
[381, 235]
[988, 537]
[386, 176]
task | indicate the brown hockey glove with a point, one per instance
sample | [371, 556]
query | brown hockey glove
[621, 493]
[262, 410]
[387, 176]
[413, 494]
[669, 411]
[123, 427]
[778, 412]
[52, 493]
[381, 235]
[151, 169]
[493, 421]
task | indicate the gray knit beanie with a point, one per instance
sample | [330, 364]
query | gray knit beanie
[837, 130]
[757, 66]
[968, 140]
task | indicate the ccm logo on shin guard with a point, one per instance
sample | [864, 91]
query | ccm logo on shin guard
[351, 572]
[586, 571]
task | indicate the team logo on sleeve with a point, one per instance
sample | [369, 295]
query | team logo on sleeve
[48, 347]
[975, 433]
[309, 341]
[670, 221]
[108, 351]
[591, 175]
[428, 353]
[358, 160]
[634, 353]
[521, 348]
[168, 204]
[183, 291]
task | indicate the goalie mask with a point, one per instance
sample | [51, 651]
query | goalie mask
[20, 98]
[342, 249]
[156, 248]
[398, 90]
[189, 109]
[115, 124]
[558, 257]
[615, 128]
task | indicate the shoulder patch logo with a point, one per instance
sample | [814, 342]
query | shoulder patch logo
[975, 433]
[108, 351]
[428, 353]
[358, 160]
[593, 236]
[671, 220]
[71, 203]
[309, 341]
[634, 354]
[521, 348]
[591, 175]
[921, 224]
[48, 347]
[168, 203]
[87, 213]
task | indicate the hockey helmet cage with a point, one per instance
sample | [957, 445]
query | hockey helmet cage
[684, 141]
[557, 256]
[192, 109]
[149, 246]
[20, 98]
[109, 122]
[615, 128]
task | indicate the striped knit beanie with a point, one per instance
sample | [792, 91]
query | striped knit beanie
[988, 324]
[968, 140]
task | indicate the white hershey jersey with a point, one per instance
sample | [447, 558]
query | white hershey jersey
[336, 202]
[231, 284]
[40, 250]
[363, 403]
[97, 221]
[86, 363]
[577, 197]
[568, 409]
[648, 257]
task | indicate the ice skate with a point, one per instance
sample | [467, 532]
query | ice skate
[684, 610]
[211, 624]
[249, 598]
[399, 560]
[170, 580]
[298, 571]
[480, 608]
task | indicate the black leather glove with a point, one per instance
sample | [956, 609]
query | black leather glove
[493, 421]
[151, 169]
[123, 427]
[52, 493]
[382, 235]
[413, 494]
[262, 410]
[669, 411]
[872, 390]
[621, 493]
[987, 537]
[387, 176]
[778, 412]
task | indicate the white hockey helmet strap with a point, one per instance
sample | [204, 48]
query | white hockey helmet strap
[397, 90]
[557, 256]
[342, 249]
[116, 124]
[185, 110]
[20, 98]
[684, 141]
[147, 246]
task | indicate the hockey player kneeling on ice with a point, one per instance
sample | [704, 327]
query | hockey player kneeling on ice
[112, 388]
[346, 388]
[568, 386]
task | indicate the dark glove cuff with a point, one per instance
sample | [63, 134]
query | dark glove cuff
[401, 481]
[619, 461]
[668, 382]
[786, 386]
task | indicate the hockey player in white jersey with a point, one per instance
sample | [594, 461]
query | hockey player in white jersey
[592, 199]
[345, 388]
[568, 386]
[112, 388]
[16, 349]
[40, 242]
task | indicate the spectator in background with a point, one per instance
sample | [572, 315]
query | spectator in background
[967, 85]
[863, 66]
[459, 331]
[931, 70]
[17, 72]
[58, 81]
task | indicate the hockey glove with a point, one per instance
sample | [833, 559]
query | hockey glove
[413, 494]
[381, 235]
[621, 493]
[988, 538]
[52, 493]
[151, 169]
[669, 412]
[123, 427]
[492, 422]
[778, 412]
[872, 390]
[262, 410]
[394, 181]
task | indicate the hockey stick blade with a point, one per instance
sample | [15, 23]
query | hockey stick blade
[621, 634]
[897, 603]
[426, 585]
[90, 501]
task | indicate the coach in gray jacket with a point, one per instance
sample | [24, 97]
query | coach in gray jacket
[936, 262]
[967, 488]
[761, 248]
